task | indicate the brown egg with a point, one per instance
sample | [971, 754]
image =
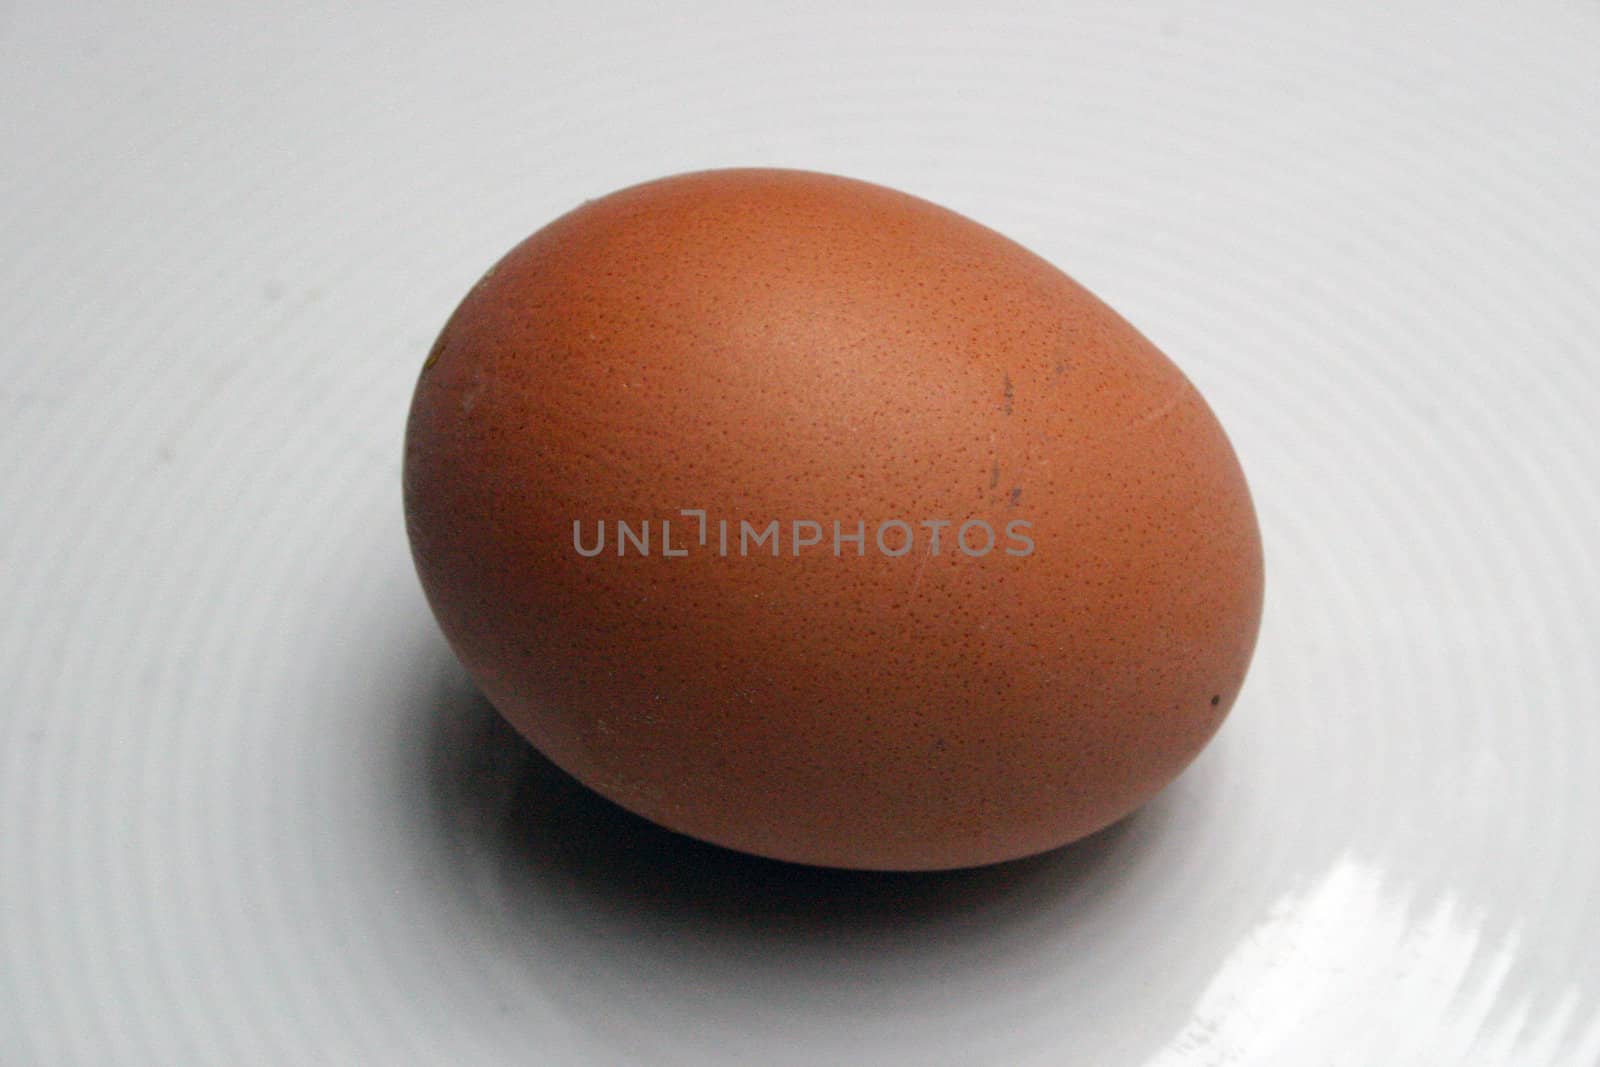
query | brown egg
[667, 371]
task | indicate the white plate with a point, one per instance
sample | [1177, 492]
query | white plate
[251, 812]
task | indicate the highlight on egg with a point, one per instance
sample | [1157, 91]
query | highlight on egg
[815, 520]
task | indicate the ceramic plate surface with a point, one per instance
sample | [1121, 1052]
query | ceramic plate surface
[251, 812]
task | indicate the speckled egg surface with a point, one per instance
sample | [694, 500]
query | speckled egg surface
[815, 520]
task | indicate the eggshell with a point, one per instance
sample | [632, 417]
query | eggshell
[780, 345]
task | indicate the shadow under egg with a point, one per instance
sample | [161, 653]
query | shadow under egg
[521, 825]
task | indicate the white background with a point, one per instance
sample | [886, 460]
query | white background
[251, 812]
